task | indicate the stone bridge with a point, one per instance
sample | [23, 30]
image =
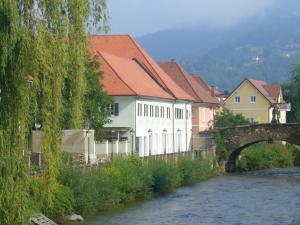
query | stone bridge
[238, 138]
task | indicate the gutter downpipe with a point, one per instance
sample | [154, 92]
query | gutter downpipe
[186, 134]
[134, 134]
[173, 124]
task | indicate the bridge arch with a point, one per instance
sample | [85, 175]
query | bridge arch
[238, 138]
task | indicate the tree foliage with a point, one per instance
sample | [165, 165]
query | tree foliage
[291, 93]
[228, 119]
[46, 41]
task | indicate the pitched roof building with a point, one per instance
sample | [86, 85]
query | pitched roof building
[153, 112]
[256, 99]
[204, 102]
[125, 46]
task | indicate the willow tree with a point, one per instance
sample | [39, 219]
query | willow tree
[46, 42]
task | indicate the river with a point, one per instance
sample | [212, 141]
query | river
[269, 197]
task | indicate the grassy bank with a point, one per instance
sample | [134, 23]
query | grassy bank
[111, 185]
[265, 156]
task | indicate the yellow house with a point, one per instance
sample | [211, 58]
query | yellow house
[256, 99]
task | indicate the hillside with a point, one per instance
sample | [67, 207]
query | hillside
[265, 47]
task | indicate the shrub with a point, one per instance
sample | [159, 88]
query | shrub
[165, 175]
[264, 156]
[134, 180]
[61, 203]
[194, 170]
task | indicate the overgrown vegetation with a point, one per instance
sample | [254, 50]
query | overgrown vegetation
[264, 156]
[43, 65]
[291, 93]
[86, 190]
[226, 118]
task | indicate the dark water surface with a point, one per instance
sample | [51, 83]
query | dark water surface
[269, 197]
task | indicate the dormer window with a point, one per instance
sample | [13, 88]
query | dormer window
[252, 99]
[237, 99]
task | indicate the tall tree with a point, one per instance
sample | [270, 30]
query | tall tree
[291, 93]
[46, 41]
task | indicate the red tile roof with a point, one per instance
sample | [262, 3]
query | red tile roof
[200, 81]
[269, 91]
[188, 83]
[125, 77]
[126, 47]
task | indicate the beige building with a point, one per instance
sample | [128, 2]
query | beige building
[256, 99]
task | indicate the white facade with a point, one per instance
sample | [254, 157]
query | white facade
[152, 126]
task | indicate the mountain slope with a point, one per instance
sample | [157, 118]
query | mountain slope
[264, 47]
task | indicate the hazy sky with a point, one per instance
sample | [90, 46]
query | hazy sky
[138, 17]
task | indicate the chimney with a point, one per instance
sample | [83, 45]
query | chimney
[213, 90]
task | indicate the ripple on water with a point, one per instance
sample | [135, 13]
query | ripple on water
[270, 197]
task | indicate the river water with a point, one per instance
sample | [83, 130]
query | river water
[269, 197]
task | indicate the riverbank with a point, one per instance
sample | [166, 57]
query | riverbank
[87, 190]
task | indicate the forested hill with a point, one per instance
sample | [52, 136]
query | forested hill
[265, 47]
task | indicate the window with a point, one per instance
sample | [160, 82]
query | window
[114, 109]
[151, 110]
[156, 111]
[179, 113]
[140, 113]
[252, 99]
[168, 113]
[162, 112]
[237, 99]
[145, 110]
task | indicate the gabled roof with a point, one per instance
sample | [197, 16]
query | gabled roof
[188, 82]
[125, 77]
[270, 91]
[125, 46]
[201, 82]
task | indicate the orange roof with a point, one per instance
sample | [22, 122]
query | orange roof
[126, 47]
[188, 83]
[126, 77]
[201, 82]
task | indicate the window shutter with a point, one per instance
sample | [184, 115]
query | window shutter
[116, 109]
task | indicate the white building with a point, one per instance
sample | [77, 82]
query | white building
[150, 110]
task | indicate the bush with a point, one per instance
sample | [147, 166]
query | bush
[123, 180]
[264, 156]
[165, 175]
[296, 154]
[226, 118]
[135, 179]
[61, 204]
[192, 171]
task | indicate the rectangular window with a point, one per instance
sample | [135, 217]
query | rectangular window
[151, 110]
[162, 112]
[252, 99]
[140, 113]
[237, 99]
[168, 113]
[116, 109]
[145, 110]
[156, 111]
[113, 109]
